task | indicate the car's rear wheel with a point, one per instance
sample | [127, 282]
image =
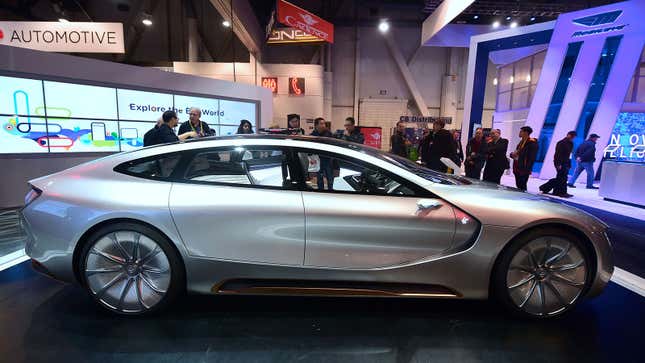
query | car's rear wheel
[131, 269]
[543, 274]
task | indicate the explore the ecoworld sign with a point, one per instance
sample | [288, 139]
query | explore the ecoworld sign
[69, 37]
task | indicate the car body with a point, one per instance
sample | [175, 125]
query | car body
[242, 215]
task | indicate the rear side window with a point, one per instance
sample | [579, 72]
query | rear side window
[157, 167]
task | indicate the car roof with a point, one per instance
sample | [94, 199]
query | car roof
[316, 139]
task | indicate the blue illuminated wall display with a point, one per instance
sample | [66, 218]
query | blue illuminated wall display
[556, 103]
[40, 116]
[627, 140]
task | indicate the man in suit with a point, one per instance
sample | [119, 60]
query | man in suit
[562, 162]
[496, 161]
[443, 146]
[475, 155]
[524, 157]
[399, 142]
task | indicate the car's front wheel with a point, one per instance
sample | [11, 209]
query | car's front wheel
[543, 273]
[131, 269]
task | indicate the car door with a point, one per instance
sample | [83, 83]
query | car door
[238, 203]
[368, 217]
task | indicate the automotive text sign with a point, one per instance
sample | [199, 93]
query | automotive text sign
[69, 37]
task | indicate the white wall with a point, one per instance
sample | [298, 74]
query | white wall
[308, 106]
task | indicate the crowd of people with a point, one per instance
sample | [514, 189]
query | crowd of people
[490, 155]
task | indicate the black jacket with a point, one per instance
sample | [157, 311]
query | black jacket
[586, 151]
[163, 134]
[443, 146]
[149, 137]
[398, 144]
[356, 136]
[496, 154]
[480, 155]
[526, 157]
[562, 155]
[460, 153]
[203, 127]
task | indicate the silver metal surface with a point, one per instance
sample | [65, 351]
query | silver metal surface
[127, 271]
[224, 232]
[546, 276]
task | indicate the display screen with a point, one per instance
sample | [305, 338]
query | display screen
[40, 116]
[627, 141]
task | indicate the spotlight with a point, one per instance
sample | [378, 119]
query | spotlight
[495, 81]
[514, 24]
[384, 26]
[63, 20]
[147, 19]
[496, 24]
[508, 18]
[532, 18]
[528, 78]
[226, 23]
[476, 17]
[511, 80]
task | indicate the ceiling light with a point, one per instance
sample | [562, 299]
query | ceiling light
[508, 18]
[514, 24]
[495, 81]
[476, 17]
[532, 18]
[528, 78]
[511, 80]
[226, 23]
[496, 24]
[146, 22]
[384, 26]
[63, 20]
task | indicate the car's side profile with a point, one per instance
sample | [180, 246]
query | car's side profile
[298, 215]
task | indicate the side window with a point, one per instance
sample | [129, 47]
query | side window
[326, 173]
[158, 167]
[241, 166]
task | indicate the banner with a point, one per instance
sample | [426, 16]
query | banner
[372, 135]
[69, 37]
[295, 17]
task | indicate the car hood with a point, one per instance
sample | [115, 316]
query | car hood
[499, 205]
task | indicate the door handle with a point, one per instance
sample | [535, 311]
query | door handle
[428, 203]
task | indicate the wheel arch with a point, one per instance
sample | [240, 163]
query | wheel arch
[556, 225]
[85, 238]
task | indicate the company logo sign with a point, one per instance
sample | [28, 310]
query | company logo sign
[63, 37]
[309, 23]
[290, 36]
[599, 19]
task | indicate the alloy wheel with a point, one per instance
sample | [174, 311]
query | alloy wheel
[546, 276]
[127, 271]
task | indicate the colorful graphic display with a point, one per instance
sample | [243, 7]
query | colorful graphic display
[627, 141]
[39, 116]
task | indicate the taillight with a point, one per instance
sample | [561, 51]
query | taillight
[32, 195]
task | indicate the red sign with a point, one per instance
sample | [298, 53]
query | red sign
[270, 83]
[296, 86]
[372, 136]
[293, 16]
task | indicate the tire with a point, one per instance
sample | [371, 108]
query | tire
[131, 269]
[534, 284]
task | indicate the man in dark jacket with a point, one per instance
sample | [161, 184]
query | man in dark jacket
[496, 161]
[164, 133]
[475, 155]
[194, 124]
[443, 146]
[524, 157]
[585, 156]
[562, 162]
[326, 164]
[399, 142]
[456, 135]
[352, 133]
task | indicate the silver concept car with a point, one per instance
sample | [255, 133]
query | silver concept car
[305, 216]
